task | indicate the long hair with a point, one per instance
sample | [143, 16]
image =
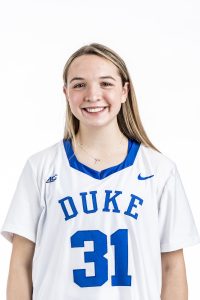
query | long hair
[128, 118]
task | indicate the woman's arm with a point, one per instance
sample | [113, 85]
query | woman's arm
[19, 285]
[174, 281]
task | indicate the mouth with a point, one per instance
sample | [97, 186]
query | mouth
[95, 109]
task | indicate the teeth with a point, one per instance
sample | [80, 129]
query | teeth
[96, 109]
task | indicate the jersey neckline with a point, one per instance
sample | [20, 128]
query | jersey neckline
[133, 147]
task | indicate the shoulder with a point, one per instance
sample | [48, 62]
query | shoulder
[157, 162]
[163, 169]
[43, 162]
[46, 154]
[156, 156]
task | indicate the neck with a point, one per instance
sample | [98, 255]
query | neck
[100, 138]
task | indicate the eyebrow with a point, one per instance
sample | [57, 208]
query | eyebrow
[101, 77]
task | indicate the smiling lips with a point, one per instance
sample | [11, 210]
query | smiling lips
[94, 109]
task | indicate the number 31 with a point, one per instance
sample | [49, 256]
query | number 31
[119, 239]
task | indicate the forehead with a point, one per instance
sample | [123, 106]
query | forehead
[92, 65]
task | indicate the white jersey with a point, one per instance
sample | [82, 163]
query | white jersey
[99, 235]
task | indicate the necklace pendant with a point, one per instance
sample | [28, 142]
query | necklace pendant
[96, 160]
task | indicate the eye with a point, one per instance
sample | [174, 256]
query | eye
[79, 85]
[105, 83]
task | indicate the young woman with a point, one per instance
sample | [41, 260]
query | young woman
[102, 213]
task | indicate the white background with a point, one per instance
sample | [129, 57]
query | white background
[160, 43]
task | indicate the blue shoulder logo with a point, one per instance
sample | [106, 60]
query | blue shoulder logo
[52, 178]
[140, 177]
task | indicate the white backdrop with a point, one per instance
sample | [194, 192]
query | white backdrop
[159, 41]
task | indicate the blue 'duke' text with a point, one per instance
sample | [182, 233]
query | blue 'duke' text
[110, 204]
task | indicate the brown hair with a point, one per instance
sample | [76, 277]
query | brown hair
[128, 117]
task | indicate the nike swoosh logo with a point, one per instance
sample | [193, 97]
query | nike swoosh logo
[140, 177]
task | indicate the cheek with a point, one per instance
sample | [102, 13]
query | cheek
[114, 98]
[74, 100]
[110, 96]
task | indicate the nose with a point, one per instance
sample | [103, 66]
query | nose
[93, 94]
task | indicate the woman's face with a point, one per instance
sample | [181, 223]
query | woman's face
[94, 90]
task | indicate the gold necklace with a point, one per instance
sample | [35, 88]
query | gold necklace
[95, 158]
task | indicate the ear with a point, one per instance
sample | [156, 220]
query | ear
[65, 90]
[125, 90]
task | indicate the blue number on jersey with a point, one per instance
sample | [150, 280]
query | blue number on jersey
[120, 240]
[96, 256]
